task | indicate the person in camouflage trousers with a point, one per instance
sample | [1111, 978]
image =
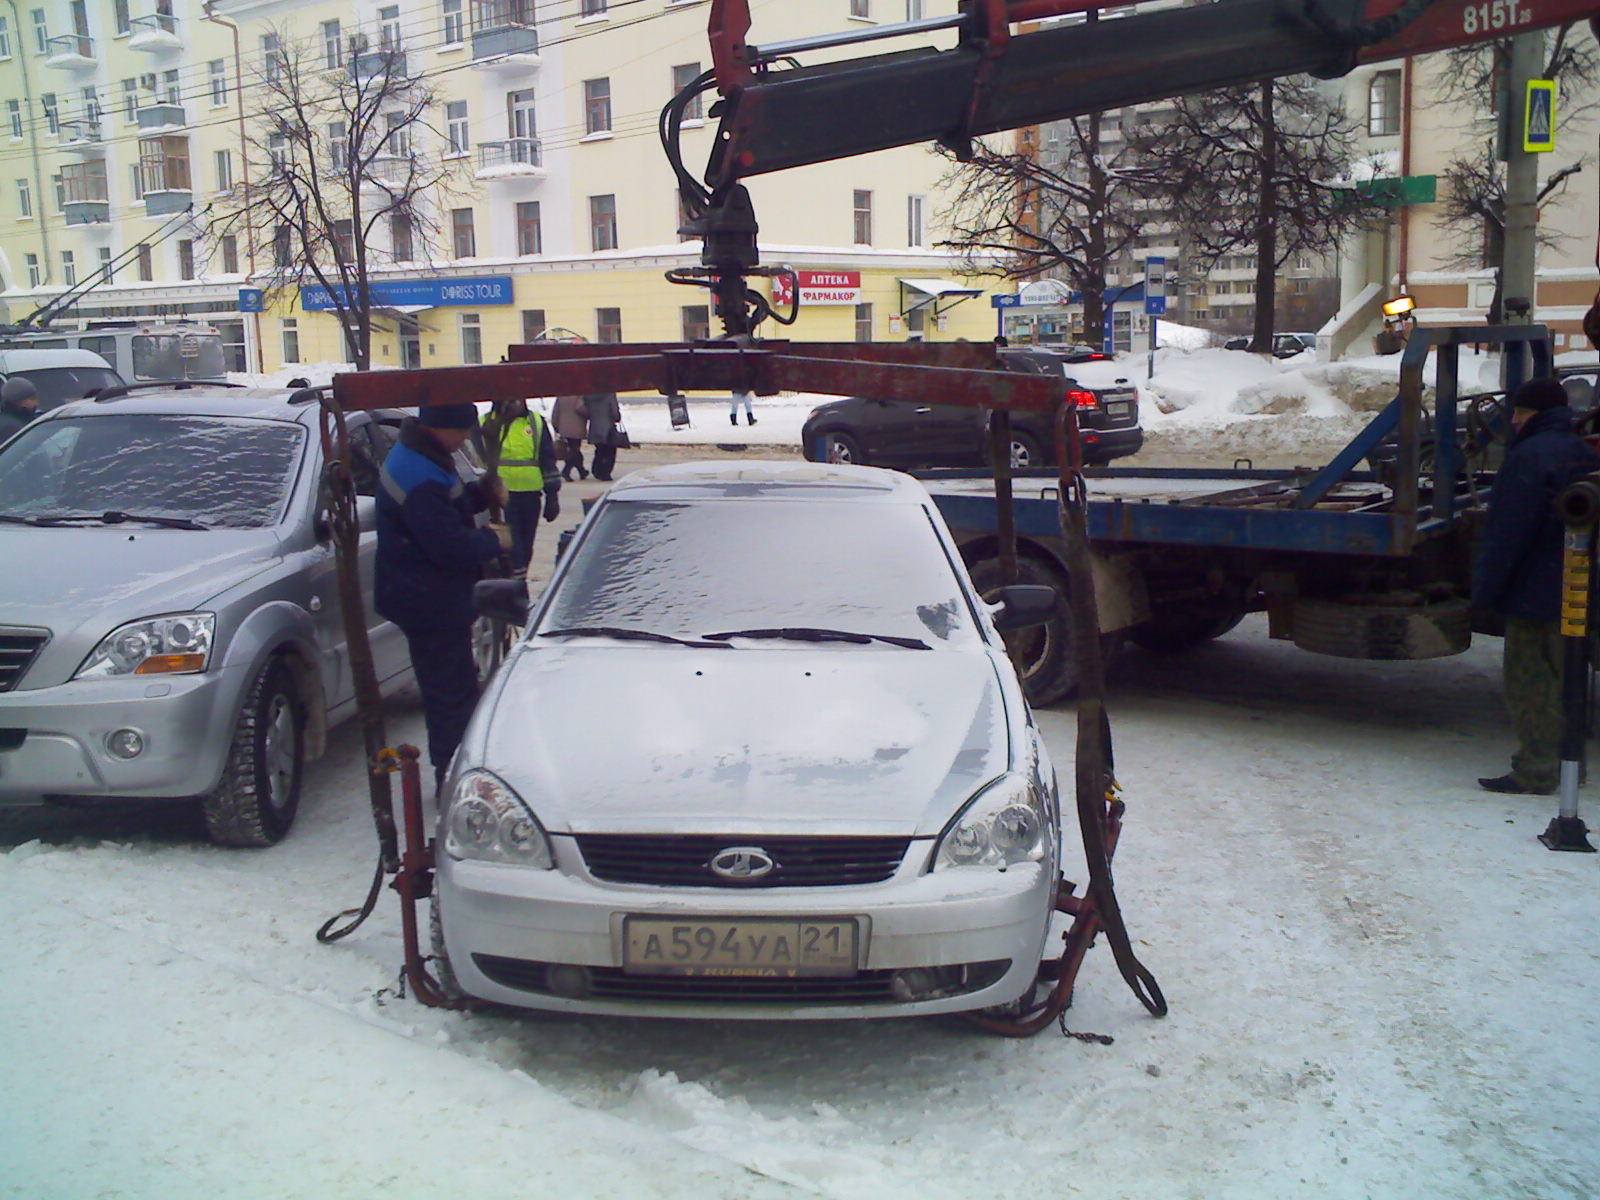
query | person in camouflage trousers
[1518, 577]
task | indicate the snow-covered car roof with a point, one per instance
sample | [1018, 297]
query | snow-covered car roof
[769, 479]
[205, 399]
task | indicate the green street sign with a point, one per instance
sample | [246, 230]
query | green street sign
[1539, 117]
[1397, 191]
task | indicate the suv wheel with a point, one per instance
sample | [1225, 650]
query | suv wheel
[842, 448]
[1025, 452]
[255, 803]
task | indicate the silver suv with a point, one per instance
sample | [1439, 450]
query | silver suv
[169, 613]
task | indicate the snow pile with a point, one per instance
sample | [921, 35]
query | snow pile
[1182, 337]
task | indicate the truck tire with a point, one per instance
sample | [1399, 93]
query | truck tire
[1356, 628]
[256, 801]
[1046, 664]
[1174, 630]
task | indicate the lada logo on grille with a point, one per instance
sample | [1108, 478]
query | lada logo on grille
[742, 862]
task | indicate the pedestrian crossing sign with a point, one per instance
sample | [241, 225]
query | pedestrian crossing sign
[1539, 117]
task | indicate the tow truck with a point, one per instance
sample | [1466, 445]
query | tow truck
[776, 112]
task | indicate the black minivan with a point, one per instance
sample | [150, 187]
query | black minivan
[899, 433]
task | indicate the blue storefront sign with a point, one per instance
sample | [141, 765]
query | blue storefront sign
[252, 300]
[421, 293]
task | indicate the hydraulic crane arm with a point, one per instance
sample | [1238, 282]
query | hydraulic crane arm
[775, 116]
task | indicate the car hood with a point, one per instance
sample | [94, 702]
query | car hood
[67, 578]
[647, 739]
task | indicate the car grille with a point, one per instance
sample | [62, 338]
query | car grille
[18, 648]
[612, 983]
[685, 861]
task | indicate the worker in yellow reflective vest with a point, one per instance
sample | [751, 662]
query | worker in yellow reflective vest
[530, 478]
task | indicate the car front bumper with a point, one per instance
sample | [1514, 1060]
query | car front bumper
[980, 932]
[54, 741]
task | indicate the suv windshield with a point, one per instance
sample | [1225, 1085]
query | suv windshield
[57, 385]
[697, 567]
[217, 471]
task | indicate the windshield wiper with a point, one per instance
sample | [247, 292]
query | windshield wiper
[628, 635]
[8, 519]
[120, 518]
[803, 633]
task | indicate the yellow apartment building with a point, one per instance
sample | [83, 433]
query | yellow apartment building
[129, 126]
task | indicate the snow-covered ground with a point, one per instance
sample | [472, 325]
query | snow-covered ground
[1381, 985]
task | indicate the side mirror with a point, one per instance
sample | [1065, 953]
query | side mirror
[503, 600]
[1022, 605]
[563, 540]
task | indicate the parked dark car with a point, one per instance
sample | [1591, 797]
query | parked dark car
[1284, 345]
[891, 433]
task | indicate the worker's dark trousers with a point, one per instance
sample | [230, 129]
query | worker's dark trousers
[448, 677]
[522, 514]
[604, 458]
[1532, 670]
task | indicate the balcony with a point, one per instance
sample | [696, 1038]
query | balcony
[507, 45]
[84, 197]
[82, 135]
[156, 33]
[169, 115]
[514, 158]
[70, 52]
[389, 171]
[373, 64]
[164, 182]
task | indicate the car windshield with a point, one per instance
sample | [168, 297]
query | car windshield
[711, 566]
[217, 471]
[56, 385]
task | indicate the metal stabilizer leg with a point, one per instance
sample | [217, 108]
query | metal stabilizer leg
[1566, 830]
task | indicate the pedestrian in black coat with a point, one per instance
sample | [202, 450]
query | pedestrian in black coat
[1518, 576]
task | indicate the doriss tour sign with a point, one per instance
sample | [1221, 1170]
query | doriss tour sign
[818, 287]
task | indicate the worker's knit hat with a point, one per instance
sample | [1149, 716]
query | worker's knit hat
[449, 416]
[1539, 394]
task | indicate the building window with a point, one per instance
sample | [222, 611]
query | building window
[271, 57]
[463, 240]
[91, 104]
[455, 124]
[69, 268]
[863, 322]
[863, 218]
[532, 324]
[107, 271]
[332, 45]
[344, 240]
[1383, 104]
[338, 145]
[230, 254]
[277, 152]
[400, 237]
[185, 258]
[171, 89]
[52, 115]
[121, 17]
[602, 222]
[282, 247]
[290, 327]
[5, 38]
[471, 339]
[24, 198]
[164, 163]
[136, 181]
[147, 265]
[1301, 286]
[59, 183]
[453, 26]
[608, 324]
[593, 8]
[862, 9]
[682, 76]
[222, 163]
[389, 27]
[915, 233]
[696, 322]
[130, 101]
[529, 238]
[596, 106]
[14, 115]
[34, 277]
[41, 32]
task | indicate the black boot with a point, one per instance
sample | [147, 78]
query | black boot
[750, 418]
[733, 418]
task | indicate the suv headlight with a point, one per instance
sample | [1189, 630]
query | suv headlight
[176, 645]
[1005, 823]
[490, 822]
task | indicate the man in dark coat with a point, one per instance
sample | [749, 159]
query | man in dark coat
[430, 553]
[19, 404]
[1518, 576]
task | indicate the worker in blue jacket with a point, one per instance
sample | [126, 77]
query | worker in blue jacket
[430, 553]
[1518, 576]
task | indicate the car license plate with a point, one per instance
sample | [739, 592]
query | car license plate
[1118, 408]
[759, 947]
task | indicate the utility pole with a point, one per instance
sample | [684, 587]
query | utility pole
[1522, 182]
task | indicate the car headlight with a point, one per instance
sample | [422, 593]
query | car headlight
[177, 645]
[1005, 823]
[490, 822]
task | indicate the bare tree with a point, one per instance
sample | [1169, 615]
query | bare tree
[338, 173]
[1070, 216]
[1472, 207]
[1259, 169]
